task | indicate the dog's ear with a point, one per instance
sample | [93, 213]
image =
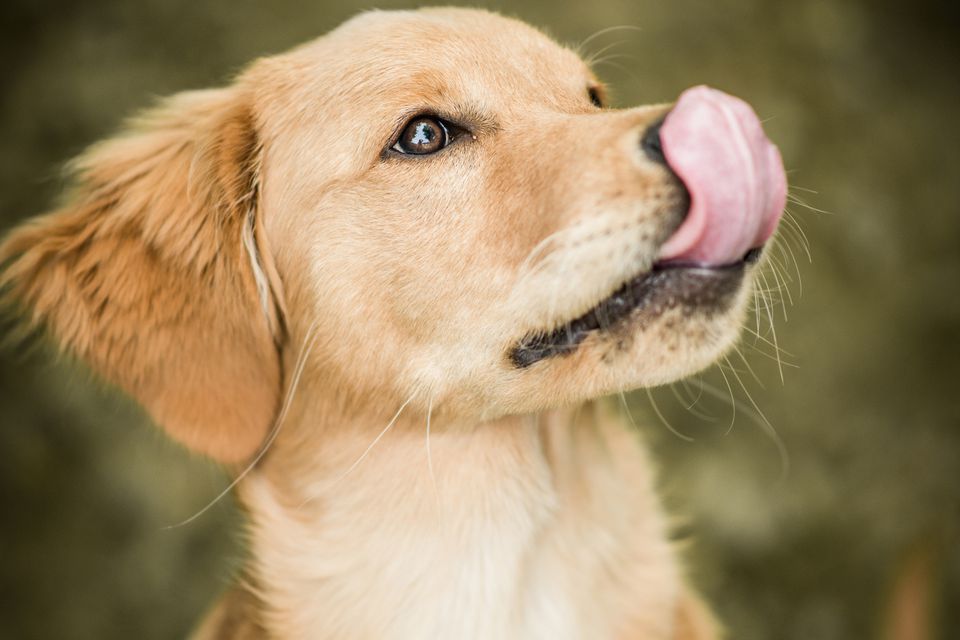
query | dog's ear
[155, 272]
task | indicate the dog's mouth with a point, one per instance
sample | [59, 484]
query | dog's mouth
[715, 145]
[668, 285]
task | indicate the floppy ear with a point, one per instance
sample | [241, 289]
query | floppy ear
[154, 273]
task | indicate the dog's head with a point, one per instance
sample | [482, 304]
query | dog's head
[436, 200]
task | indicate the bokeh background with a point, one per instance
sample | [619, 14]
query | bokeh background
[801, 531]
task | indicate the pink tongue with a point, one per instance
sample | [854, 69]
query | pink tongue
[715, 144]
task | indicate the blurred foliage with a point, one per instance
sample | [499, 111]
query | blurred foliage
[862, 97]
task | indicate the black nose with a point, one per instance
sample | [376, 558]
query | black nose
[650, 142]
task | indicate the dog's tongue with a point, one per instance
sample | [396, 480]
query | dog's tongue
[716, 146]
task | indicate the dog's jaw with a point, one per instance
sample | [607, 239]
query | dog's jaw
[636, 305]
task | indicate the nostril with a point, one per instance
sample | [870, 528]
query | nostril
[650, 142]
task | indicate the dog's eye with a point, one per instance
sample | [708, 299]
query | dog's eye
[423, 135]
[594, 94]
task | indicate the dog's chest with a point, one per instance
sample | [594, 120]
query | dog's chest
[452, 554]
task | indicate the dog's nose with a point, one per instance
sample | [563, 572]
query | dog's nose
[650, 142]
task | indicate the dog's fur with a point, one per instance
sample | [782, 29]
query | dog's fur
[277, 287]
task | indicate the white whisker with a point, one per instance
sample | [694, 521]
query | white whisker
[602, 32]
[765, 425]
[733, 402]
[696, 398]
[750, 370]
[781, 287]
[308, 341]
[433, 477]
[663, 419]
[690, 407]
[599, 52]
[380, 435]
[773, 329]
[626, 408]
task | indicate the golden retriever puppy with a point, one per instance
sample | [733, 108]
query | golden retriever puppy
[383, 278]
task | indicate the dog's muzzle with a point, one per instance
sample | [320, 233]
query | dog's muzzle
[735, 184]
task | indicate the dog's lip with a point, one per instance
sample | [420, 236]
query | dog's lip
[666, 285]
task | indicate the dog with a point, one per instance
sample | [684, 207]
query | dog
[385, 278]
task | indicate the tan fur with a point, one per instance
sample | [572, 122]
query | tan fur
[252, 266]
[143, 273]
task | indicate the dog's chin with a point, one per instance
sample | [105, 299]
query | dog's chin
[699, 293]
[659, 326]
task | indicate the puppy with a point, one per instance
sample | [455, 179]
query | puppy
[383, 278]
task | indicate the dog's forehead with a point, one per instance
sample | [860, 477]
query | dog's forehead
[327, 108]
[469, 55]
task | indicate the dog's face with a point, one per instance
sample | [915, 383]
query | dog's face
[435, 201]
[469, 227]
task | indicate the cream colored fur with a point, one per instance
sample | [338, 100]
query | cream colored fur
[333, 321]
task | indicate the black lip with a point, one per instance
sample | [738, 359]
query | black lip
[706, 289]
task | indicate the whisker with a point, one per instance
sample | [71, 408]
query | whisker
[806, 205]
[612, 56]
[627, 70]
[729, 398]
[781, 286]
[308, 342]
[686, 386]
[733, 402]
[433, 477]
[756, 310]
[773, 329]
[380, 435]
[538, 258]
[787, 252]
[746, 364]
[664, 420]
[596, 54]
[790, 222]
[766, 426]
[781, 351]
[626, 408]
[602, 32]
[697, 413]
[756, 349]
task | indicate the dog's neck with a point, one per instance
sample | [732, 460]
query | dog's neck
[534, 526]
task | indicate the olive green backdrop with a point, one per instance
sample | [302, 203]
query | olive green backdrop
[797, 535]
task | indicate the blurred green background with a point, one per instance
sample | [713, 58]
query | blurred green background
[863, 98]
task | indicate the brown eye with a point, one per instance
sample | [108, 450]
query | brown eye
[595, 97]
[423, 135]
